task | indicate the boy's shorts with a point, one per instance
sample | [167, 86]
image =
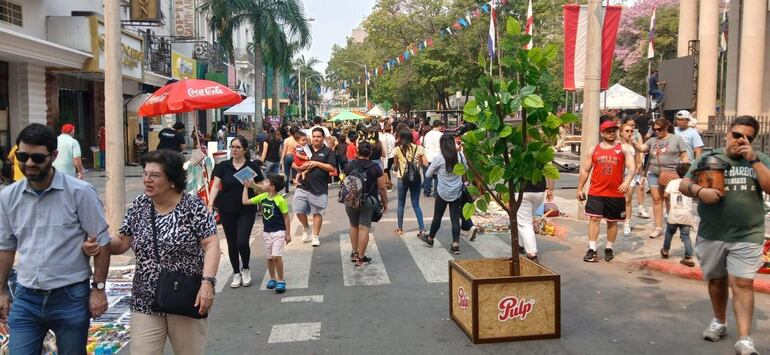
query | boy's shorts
[274, 243]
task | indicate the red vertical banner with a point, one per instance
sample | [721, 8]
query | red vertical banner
[609, 38]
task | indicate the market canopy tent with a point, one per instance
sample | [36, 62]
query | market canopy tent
[621, 97]
[377, 111]
[188, 95]
[246, 107]
[348, 116]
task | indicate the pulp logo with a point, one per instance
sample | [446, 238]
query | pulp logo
[207, 91]
[156, 99]
[510, 307]
[462, 299]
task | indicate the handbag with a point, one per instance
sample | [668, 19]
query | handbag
[175, 292]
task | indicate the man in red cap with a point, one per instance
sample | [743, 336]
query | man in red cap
[68, 160]
[606, 164]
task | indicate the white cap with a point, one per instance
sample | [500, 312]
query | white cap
[684, 113]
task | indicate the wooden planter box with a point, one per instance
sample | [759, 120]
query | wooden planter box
[491, 306]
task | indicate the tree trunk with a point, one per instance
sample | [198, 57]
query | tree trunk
[259, 88]
[276, 92]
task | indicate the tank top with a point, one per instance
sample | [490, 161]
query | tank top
[273, 150]
[607, 174]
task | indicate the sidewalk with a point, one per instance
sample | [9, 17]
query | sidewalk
[636, 250]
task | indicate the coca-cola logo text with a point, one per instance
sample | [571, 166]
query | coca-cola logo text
[156, 99]
[207, 91]
[510, 307]
[462, 299]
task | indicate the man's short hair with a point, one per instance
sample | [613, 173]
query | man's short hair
[437, 123]
[178, 126]
[38, 134]
[746, 120]
[318, 129]
[317, 120]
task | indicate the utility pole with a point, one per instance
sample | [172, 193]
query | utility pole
[115, 195]
[590, 129]
[299, 91]
[310, 77]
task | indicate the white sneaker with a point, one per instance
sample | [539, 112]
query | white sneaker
[465, 233]
[236, 281]
[642, 212]
[745, 346]
[473, 232]
[715, 331]
[627, 229]
[315, 242]
[246, 277]
[306, 235]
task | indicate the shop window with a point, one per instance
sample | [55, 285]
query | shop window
[10, 12]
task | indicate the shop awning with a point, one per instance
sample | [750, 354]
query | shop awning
[22, 48]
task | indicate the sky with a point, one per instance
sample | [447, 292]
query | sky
[333, 22]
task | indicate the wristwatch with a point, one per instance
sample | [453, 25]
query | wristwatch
[213, 280]
[98, 285]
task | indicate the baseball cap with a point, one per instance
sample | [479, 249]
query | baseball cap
[68, 128]
[608, 125]
[684, 114]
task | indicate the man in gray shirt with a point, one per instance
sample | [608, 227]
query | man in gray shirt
[46, 218]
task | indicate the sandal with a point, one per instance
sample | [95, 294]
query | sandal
[280, 287]
[664, 253]
[353, 256]
[271, 284]
[363, 260]
[398, 231]
[656, 233]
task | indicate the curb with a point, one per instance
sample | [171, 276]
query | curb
[692, 273]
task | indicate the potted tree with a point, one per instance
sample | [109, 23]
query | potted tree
[494, 300]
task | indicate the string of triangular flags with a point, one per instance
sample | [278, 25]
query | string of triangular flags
[414, 49]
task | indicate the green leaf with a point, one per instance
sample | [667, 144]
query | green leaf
[468, 210]
[496, 174]
[569, 117]
[482, 205]
[470, 138]
[474, 191]
[527, 90]
[553, 121]
[500, 188]
[544, 156]
[507, 130]
[512, 27]
[471, 108]
[458, 169]
[551, 172]
[533, 101]
[537, 175]
[493, 122]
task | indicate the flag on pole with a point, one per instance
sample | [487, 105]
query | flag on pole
[723, 28]
[491, 39]
[651, 37]
[575, 36]
[529, 28]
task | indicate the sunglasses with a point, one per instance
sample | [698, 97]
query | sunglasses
[738, 135]
[37, 158]
[657, 129]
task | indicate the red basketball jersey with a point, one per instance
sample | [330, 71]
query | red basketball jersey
[607, 174]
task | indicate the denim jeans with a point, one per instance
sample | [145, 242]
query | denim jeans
[64, 310]
[287, 170]
[428, 184]
[684, 234]
[414, 195]
[272, 167]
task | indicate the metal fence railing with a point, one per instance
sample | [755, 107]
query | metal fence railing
[718, 127]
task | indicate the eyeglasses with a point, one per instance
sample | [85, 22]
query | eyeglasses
[37, 158]
[235, 147]
[152, 176]
[738, 135]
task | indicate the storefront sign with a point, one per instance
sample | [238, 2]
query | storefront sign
[145, 10]
[184, 18]
[182, 67]
[131, 48]
[510, 308]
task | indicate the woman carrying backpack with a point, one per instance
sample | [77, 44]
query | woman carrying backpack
[360, 205]
[407, 159]
[450, 190]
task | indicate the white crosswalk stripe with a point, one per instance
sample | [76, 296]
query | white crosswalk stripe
[367, 275]
[491, 246]
[432, 262]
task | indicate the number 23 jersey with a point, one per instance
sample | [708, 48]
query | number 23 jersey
[607, 173]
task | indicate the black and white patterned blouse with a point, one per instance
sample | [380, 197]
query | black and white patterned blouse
[179, 243]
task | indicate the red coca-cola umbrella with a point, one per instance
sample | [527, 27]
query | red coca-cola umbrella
[188, 95]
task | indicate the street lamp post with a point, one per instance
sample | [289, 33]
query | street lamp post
[366, 81]
[310, 77]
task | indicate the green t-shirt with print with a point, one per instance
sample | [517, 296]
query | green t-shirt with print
[740, 215]
[273, 210]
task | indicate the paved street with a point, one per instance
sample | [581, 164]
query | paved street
[399, 303]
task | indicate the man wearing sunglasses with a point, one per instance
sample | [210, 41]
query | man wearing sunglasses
[732, 229]
[45, 219]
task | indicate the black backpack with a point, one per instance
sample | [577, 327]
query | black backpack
[411, 174]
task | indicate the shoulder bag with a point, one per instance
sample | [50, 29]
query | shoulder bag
[175, 292]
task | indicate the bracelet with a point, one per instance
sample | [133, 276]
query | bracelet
[698, 192]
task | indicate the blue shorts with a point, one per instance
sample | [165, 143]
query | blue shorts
[652, 180]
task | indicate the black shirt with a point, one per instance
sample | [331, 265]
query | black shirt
[170, 139]
[229, 199]
[539, 187]
[317, 180]
[273, 150]
[373, 171]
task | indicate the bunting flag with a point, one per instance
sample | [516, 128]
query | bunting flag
[575, 34]
[491, 38]
[468, 18]
[457, 25]
[476, 13]
[723, 28]
[463, 23]
[449, 30]
[485, 8]
[529, 28]
[651, 37]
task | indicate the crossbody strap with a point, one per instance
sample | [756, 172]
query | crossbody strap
[153, 215]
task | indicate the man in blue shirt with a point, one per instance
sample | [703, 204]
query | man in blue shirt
[46, 218]
[689, 134]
